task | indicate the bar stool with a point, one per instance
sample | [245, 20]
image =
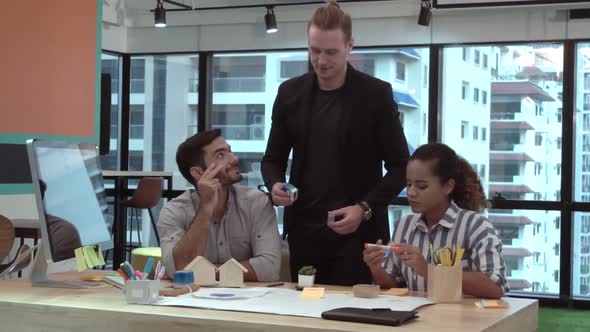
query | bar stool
[146, 196]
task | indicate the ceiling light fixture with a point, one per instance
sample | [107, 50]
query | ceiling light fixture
[425, 13]
[160, 15]
[270, 20]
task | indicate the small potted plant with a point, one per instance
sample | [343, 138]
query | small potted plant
[306, 276]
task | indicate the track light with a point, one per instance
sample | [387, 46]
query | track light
[425, 13]
[160, 15]
[270, 20]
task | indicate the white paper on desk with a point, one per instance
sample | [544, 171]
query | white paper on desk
[227, 294]
[284, 301]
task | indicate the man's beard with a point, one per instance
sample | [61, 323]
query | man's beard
[232, 176]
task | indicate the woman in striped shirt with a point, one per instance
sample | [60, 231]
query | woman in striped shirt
[445, 195]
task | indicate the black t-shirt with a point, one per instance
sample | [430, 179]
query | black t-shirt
[323, 181]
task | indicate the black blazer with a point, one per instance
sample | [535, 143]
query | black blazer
[371, 133]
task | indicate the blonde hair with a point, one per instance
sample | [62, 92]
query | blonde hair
[330, 17]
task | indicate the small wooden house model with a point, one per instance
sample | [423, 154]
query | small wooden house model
[231, 274]
[203, 270]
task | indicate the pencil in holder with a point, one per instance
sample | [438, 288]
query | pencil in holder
[445, 283]
[142, 291]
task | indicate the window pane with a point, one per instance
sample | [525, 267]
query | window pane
[582, 123]
[244, 89]
[395, 214]
[519, 106]
[239, 73]
[531, 248]
[163, 111]
[581, 226]
[581, 252]
[242, 103]
[405, 69]
[111, 65]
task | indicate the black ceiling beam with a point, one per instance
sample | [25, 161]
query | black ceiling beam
[507, 3]
[262, 5]
[185, 7]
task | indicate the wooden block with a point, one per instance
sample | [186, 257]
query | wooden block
[179, 291]
[365, 291]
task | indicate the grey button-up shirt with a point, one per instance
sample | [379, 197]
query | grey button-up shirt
[247, 231]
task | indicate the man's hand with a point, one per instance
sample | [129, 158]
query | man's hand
[209, 187]
[350, 219]
[373, 257]
[412, 257]
[279, 196]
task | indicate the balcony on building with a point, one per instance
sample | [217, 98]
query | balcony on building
[516, 252]
[518, 284]
[508, 98]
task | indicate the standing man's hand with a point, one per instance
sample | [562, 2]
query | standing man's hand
[350, 219]
[279, 196]
[209, 187]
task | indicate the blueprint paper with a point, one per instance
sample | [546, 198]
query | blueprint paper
[284, 301]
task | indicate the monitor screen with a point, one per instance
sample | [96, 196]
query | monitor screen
[70, 197]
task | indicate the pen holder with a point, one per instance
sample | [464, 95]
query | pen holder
[142, 291]
[445, 283]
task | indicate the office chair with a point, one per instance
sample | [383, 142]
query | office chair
[6, 237]
[146, 196]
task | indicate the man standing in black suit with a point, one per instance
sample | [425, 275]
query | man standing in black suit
[341, 125]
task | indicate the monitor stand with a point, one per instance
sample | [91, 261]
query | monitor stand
[40, 279]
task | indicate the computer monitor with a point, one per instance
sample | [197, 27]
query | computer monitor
[68, 190]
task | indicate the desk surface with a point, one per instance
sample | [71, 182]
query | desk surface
[104, 309]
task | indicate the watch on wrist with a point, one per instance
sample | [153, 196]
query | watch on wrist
[367, 212]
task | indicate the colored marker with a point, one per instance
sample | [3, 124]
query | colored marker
[380, 246]
[128, 271]
[122, 274]
[148, 266]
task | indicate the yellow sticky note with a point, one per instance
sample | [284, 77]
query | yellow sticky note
[100, 257]
[80, 262]
[90, 256]
[339, 291]
[92, 277]
[312, 293]
[396, 291]
[491, 304]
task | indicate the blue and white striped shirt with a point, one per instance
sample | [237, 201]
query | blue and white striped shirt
[465, 228]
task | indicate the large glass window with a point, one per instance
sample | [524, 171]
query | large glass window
[405, 69]
[581, 220]
[521, 154]
[111, 64]
[531, 248]
[163, 111]
[520, 112]
[244, 89]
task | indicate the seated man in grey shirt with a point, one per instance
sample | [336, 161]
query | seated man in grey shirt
[220, 219]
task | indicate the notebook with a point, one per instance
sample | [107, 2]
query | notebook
[379, 316]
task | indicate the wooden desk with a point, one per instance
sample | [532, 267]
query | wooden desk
[120, 215]
[105, 309]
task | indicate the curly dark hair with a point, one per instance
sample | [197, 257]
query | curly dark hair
[468, 193]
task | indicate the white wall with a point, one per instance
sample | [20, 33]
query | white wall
[383, 23]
